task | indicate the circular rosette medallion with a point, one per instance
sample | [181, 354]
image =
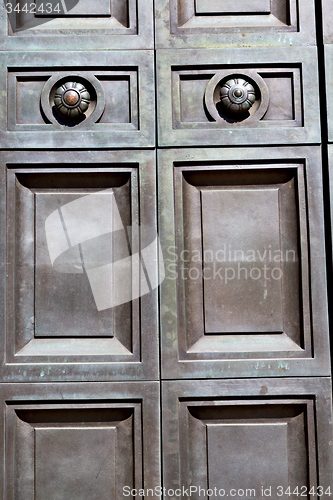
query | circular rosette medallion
[238, 95]
[72, 99]
[234, 98]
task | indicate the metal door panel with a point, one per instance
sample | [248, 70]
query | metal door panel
[202, 24]
[85, 25]
[121, 109]
[327, 21]
[79, 439]
[329, 99]
[245, 435]
[286, 108]
[62, 320]
[245, 288]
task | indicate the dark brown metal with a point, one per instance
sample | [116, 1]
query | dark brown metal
[54, 330]
[245, 376]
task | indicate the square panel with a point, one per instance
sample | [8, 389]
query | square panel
[99, 440]
[238, 97]
[112, 100]
[233, 437]
[230, 23]
[243, 245]
[76, 24]
[81, 287]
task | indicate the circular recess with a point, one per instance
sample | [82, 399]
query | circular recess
[236, 97]
[73, 100]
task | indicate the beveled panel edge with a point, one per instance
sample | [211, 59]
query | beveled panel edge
[147, 393]
[144, 39]
[148, 366]
[305, 36]
[306, 57]
[317, 389]
[316, 365]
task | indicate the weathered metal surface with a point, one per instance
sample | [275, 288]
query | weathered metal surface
[53, 329]
[329, 96]
[244, 296]
[85, 25]
[122, 114]
[326, 6]
[248, 434]
[243, 240]
[79, 440]
[290, 84]
[234, 23]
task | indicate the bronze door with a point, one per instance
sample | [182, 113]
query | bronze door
[164, 314]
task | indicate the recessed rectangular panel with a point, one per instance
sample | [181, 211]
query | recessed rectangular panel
[282, 96]
[118, 105]
[183, 24]
[196, 106]
[76, 448]
[28, 92]
[76, 25]
[242, 439]
[79, 440]
[263, 438]
[75, 229]
[76, 291]
[238, 247]
[238, 259]
[64, 301]
[75, 8]
[241, 455]
[119, 91]
[116, 108]
[241, 229]
[232, 6]
[79, 461]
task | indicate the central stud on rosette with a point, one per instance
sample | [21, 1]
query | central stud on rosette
[72, 99]
[237, 95]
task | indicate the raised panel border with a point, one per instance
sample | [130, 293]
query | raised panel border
[141, 365]
[99, 135]
[316, 392]
[317, 361]
[329, 89]
[326, 11]
[168, 101]
[144, 397]
[139, 35]
[302, 33]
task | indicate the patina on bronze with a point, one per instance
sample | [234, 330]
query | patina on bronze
[72, 99]
[238, 95]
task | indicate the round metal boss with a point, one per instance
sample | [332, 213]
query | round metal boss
[237, 95]
[72, 99]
